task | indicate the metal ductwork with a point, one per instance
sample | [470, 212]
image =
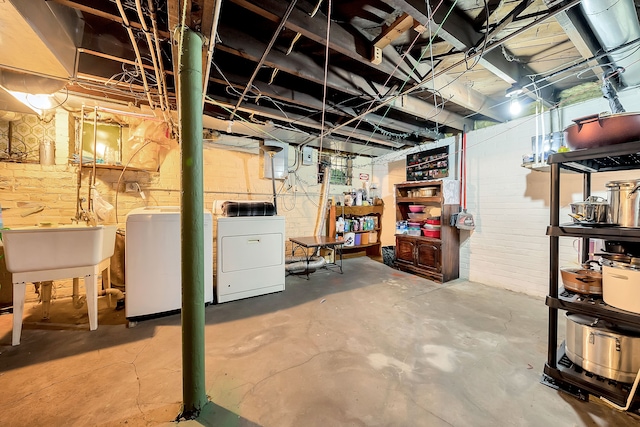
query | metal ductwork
[615, 22]
[29, 83]
[9, 116]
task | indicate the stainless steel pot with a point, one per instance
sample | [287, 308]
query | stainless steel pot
[595, 209]
[602, 348]
[624, 201]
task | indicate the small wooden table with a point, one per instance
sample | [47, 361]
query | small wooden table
[317, 242]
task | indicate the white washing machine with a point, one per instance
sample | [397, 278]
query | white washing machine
[250, 256]
[153, 275]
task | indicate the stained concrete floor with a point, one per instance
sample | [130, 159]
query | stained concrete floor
[371, 347]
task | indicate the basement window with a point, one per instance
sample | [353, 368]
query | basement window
[108, 143]
[340, 166]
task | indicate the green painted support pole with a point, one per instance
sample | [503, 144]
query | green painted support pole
[192, 226]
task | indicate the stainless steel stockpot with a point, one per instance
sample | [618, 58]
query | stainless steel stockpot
[624, 203]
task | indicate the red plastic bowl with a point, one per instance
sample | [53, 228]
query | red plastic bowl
[431, 233]
[416, 208]
[433, 221]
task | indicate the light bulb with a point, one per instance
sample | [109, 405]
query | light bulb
[514, 107]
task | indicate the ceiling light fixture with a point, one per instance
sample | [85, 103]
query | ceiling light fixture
[37, 102]
[514, 90]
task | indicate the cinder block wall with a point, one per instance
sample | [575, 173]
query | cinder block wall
[510, 204]
[228, 175]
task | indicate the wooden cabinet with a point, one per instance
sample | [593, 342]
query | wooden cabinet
[370, 244]
[434, 258]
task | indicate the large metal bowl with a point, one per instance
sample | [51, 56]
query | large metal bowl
[597, 130]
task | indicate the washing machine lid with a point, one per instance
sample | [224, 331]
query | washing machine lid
[160, 213]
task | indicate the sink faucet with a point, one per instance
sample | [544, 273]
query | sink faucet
[82, 214]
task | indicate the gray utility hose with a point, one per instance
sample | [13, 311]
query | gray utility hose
[299, 264]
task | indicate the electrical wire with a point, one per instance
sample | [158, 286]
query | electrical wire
[326, 72]
[122, 174]
[406, 80]
[484, 43]
[450, 67]
[127, 26]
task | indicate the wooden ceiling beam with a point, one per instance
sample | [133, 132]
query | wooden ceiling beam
[455, 28]
[446, 87]
[173, 16]
[96, 12]
[239, 44]
[340, 40]
[401, 25]
[303, 121]
[307, 101]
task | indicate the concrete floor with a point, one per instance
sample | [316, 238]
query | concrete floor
[372, 347]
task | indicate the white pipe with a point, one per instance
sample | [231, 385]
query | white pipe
[212, 43]
[113, 292]
[156, 37]
[629, 399]
[537, 140]
[154, 58]
[132, 38]
[543, 131]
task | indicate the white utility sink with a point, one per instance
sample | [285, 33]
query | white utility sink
[36, 254]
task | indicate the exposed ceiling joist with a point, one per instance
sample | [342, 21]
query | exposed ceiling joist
[457, 29]
[306, 101]
[447, 88]
[296, 64]
[379, 92]
[344, 81]
[582, 37]
[302, 121]
[97, 12]
[340, 40]
[419, 91]
[459, 93]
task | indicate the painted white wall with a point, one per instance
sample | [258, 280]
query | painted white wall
[509, 247]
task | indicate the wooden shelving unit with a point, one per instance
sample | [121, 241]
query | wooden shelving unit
[372, 250]
[435, 259]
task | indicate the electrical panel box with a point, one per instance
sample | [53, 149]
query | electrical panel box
[307, 156]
